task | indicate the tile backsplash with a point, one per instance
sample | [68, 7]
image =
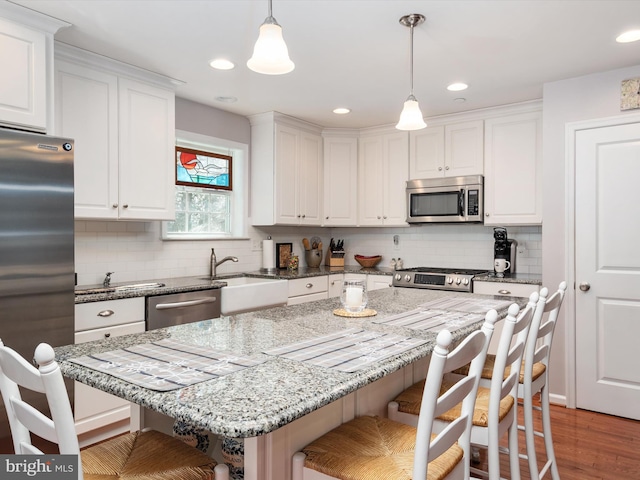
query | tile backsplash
[135, 251]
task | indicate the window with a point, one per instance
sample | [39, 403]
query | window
[208, 211]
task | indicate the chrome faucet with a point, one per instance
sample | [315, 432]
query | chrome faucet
[215, 263]
[107, 279]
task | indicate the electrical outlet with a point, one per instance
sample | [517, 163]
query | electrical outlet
[522, 247]
[396, 242]
[256, 245]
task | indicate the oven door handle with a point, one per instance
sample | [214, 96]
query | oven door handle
[461, 201]
[189, 303]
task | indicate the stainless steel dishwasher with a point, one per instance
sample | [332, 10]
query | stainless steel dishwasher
[178, 308]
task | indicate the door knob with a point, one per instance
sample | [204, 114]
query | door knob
[584, 286]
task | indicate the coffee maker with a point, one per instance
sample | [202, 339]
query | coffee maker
[504, 247]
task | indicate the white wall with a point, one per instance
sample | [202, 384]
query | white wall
[583, 98]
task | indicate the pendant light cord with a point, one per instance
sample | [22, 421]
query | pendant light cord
[411, 66]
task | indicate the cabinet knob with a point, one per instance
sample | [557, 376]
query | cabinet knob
[106, 313]
[107, 335]
[446, 168]
[298, 215]
[125, 206]
[115, 205]
[303, 216]
[504, 292]
[379, 217]
[439, 169]
[385, 217]
[326, 218]
[309, 285]
[486, 214]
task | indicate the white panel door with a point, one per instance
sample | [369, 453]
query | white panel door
[608, 270]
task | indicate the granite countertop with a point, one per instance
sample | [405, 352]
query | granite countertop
[524, 278]
[191, 284]
[262, 398]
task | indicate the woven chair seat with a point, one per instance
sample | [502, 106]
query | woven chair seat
[373, 448]
[487, 371]
[149, 455]
[409, 402]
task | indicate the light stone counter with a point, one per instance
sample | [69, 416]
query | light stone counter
[263, 398]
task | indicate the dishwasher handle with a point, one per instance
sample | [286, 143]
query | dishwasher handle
[188, 303]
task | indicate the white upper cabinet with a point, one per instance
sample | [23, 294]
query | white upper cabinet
[382, 175]
[340, 180]
[513, 169]
[286, 171]
[124, 131]
[26, 56]
[446, 150]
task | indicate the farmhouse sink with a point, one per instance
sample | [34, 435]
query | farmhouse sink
[245, 294]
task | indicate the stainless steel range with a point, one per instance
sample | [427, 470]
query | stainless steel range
[454, 279]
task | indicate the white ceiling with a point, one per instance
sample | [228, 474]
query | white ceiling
[355, 53]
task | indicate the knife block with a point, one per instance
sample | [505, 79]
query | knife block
[334, 258]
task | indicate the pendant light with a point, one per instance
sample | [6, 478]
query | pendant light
[270, 53]
[411, 116]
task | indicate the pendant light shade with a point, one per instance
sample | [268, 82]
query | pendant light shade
[411, 116]
[270, 53]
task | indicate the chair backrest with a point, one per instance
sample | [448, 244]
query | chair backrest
[542, 329]
[510, 353]
[24, 419]
[472, 350]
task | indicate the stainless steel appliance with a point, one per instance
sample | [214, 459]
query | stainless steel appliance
[453, 279]
[446, 200]
[504, 247]
[36, 247]
[178, 308]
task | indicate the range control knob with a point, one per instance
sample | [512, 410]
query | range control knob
[398, 277]
[465, 281]
[407, 278]
[458, 281]
[449, 280]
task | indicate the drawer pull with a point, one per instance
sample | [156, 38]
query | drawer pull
[309, 285]
[189, 303]
[504, 292]
[107, 335]
[106, 313]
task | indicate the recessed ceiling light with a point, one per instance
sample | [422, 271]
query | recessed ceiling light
[456, 87]
[227, 99]
[460, 100]
[630, 36]
[341, 110]
[221, 64]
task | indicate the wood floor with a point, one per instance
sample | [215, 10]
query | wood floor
[588, 446]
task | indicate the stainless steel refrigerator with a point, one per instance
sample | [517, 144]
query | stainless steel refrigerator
[36, 247]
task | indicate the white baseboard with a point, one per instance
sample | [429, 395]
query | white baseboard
[558, 399]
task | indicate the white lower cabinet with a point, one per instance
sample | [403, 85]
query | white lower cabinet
[502, 288]
[99, 415]
[335, 285]
[303, 290]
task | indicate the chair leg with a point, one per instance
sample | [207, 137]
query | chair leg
[529, 435]
[546, 429]
[514, 458]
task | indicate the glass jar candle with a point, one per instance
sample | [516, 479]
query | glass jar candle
[354, 295]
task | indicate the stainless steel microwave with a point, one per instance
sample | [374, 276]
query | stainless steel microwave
[446, 200]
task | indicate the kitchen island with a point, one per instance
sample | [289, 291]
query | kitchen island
[270, 405]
